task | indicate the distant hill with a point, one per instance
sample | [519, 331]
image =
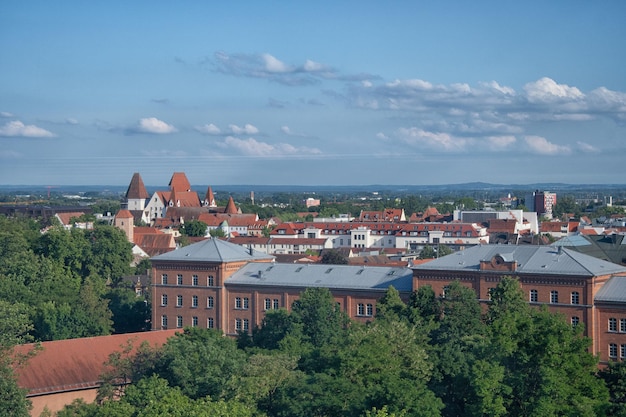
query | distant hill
[246, 188]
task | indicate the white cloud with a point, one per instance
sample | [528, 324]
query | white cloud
[493, 85]
[209, 129]
[286, 130]
[587, 148]
[547, 90]
[439, 141]
[154, 125]
[248, 129]
[253, 147]
[540, 145]
[19, 129]
[498, 143]
[71, 121]
[272, 64]
[312, 66]
[381, 136]
[6, 114]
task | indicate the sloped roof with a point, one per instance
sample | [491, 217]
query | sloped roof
[209, 197]
[613, 291]
[65, 218]
[185, 199]
[213, 250]
[230, 207]
[179, 182]
[325, 276]
[75, 364]
[136, 189]
[155, 243]
[610, 247]
[549, 260]
[124, 214]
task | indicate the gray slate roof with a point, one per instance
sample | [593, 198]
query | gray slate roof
[530, 259]
[213, 250]
[613, 291]
[326, 276]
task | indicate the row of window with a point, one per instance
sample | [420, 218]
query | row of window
[240, 324]
[210, 301]
[613, 351]
[210, 322]
[210, 280]
[554, 297]
[613, 325]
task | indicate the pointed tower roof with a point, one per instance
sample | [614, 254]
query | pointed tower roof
[209, 199]
[179, 182]
[124, 214]
[136, 189]
[230, 207]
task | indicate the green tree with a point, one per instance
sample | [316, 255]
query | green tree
[194, 228]
[614, 376]
[453, 339]
[391, 307]
[130, 313]
[333, 257]
[436, 251]
[566, 204]
[547, 368]
[200, 362]
[322, 321]
[15, 326]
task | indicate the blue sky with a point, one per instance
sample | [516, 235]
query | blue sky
[346, 93]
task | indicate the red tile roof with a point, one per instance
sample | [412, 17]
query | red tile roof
[179, 182]
[230, 207]
[136, 190]
[75, 364]
[66, 217]
[124, 214]
[210, 198]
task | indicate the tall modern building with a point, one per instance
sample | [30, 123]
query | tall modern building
[541, 202]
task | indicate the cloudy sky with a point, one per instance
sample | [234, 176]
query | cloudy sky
[326, 92]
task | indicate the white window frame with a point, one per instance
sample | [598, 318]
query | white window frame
[210, 302]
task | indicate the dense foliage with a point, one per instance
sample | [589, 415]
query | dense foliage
[68, 282]
[432, 356]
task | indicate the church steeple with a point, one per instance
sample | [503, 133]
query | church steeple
[209, 199]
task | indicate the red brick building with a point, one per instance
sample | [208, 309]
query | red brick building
[575, 285]
[217, 284]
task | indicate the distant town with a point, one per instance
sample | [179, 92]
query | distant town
[226, 259]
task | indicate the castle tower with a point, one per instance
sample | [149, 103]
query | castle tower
[136, 194]
[125, 221]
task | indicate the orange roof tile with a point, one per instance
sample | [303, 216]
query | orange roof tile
[66, 217]
[74, 364]
[124, 214]
[230, 207]
[179, 182]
